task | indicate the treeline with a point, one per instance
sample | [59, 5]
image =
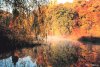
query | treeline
[58, 19]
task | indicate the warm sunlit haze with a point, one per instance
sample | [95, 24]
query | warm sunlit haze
[64, 1]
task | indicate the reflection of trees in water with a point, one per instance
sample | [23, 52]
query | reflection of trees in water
[14, 60]
[59, 55]
[15, 55]
[93, 45]
[56, 54]
[49, 54]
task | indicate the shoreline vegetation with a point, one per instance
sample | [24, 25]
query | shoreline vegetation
[50, 34]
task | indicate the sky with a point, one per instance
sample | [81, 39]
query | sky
[22, 62]
[64, 1]
[4, 7]
[8, 8]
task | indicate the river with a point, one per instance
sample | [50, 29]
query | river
[56, 52]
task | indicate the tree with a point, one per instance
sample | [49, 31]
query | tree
[23, 15]
[61, 19]
[88, 16]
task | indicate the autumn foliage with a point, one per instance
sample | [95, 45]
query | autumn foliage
[72, 21]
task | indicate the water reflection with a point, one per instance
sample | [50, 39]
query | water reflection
[25, 57]
[51, 54]
[56, 54]
[22, 62]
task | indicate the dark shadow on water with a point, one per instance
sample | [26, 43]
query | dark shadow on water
[90, 43]
[90, 40]
[7, 45]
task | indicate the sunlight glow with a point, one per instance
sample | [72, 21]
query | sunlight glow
[64, 1]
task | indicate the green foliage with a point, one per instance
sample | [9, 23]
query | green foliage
[0, 17]
[7, 21]
[15, 13]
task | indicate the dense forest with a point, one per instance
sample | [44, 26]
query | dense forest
[56, 19]
[36, 21]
